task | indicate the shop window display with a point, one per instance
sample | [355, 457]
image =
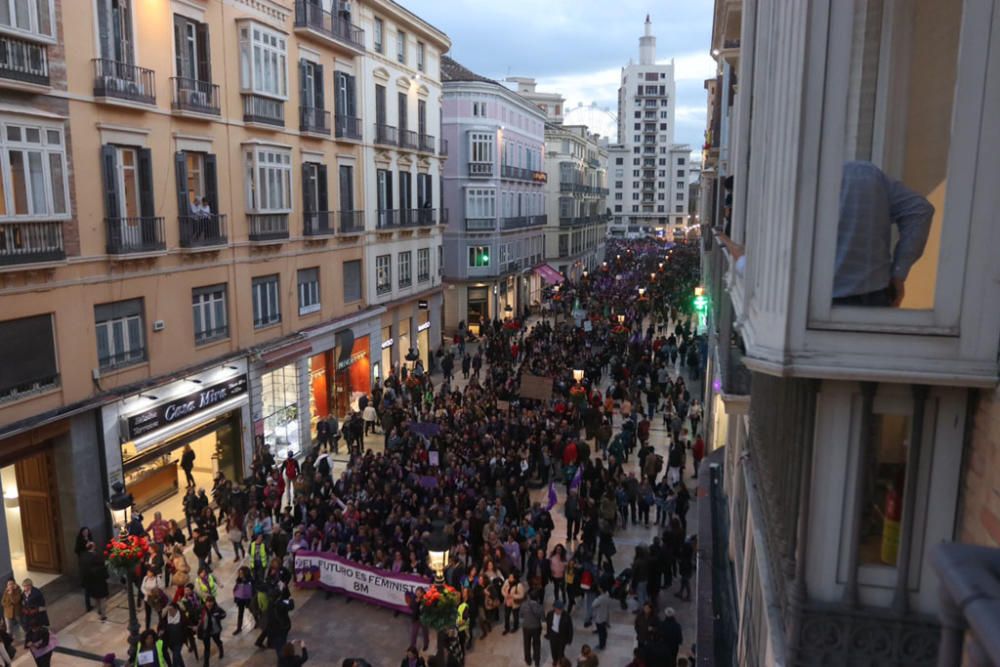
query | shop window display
[280, 398]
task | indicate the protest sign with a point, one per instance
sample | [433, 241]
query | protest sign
[316, 569]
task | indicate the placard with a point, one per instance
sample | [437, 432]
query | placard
[536, 386]
[318, 569]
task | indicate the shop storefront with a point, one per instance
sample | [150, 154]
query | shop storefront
[338, 378]
[478, 308]
[387, 345]
[405, 342]
[206, 414]
[280, 404]
[424, 337]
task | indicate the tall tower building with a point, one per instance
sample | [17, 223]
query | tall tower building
[648, 172]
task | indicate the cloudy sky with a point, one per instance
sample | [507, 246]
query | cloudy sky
[577, 48]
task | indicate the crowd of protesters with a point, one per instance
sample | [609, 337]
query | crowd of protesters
[464, 461]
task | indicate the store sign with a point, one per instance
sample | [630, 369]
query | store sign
[357, 356]
[422, 304]
[386, 344]
[423, 327]
[185, 406]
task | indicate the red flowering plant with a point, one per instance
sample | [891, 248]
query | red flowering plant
[578, 393]
[511, 325]
[620, 330]
[125, 553]
[439, 607]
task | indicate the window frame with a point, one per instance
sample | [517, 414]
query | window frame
[204, 310]
[262, 294]
[423, 265]
[360, 281]
[33, 32]
[126, 320]
[254, 178]
[383, 274]
[47, 151]
[249, 31]
[308, 290]
[404, 261]
[401, 46]
[480, 250]
[378, 35]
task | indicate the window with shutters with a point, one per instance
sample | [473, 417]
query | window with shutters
[196, 183]
[269, 180]
[114, 25]
[266, 301]
[346, 187]
[425, 191]
[383, 274]
[211, 319]
[352, 281]
[378, 35]
[263, 61]
[28, 16]
[310, 85]
[33, 176]
[405, 268]
[405, 192]
[423, 265]
[420, 56]
[129, 180]
[316, 214]
[308, 280]
[27, 357]
[401, 104]
[120, 330]
[192, 62]
[346, 106]
[401, 46]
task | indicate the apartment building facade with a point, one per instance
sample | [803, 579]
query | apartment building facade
[858, 437]
[494, 185]
[648, 171]
[183, 256]
[403, 160]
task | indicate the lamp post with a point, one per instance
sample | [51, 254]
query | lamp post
[578, 375]
[437, 552]
[412, 356]
[119, 505]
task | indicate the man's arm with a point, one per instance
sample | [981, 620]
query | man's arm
[912, 213]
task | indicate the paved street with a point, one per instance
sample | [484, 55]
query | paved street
[334, 629]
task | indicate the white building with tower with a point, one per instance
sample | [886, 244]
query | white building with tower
[648, 172]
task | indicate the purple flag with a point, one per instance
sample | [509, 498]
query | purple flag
[577, 478]
[553, 496]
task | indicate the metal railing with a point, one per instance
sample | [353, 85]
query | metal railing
[347, 127]
[482, 169]
[443, 148]
[195, 95]
[138, 234]
[199, 231]
[351, 222]
[26, 242]
[425, 217]
[260, 109]
[386, 135]
[480, 224]
[515, 173]
[124, 81]
[309, 15]
[408, 139]
[24, 61]
[318, 223]
[427, 143]
[521, 221]
[388, 218]
[267, 226]
[314, 119]
[133, 355]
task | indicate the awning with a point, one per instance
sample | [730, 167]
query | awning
[549, 274]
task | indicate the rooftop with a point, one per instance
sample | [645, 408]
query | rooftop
[451, 70]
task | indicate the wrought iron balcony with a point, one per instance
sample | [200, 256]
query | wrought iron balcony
[480, 224]
[23, 61]
[314, 120]
[386, 135]
[347, 127]
[202, 231]
[312, 17]
[132, 235]
[28, 242]
[124, 81]
[408, 139]
[426, 143]
[425, 217]
[389, 218]
[514, 173]
[267, 226]
[319, 223]
[260, 109]
[195, 95]
[351, 222]
[481, 169]
[522, 221]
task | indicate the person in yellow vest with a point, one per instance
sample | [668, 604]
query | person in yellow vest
[206, 585]
[258, 556]
[149, 651]
[462, 620]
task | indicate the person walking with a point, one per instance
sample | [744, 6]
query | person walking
[412, 658]
[149, 650]
[174, 632]
[513, 592]
[210, 628]
[33, 606]
[671, 635]
[242, 594]
[414, 601]
[558, 630]
[12, 614]
[294, 654]
[602, 616]
[587, 657]
[187, 465]
[532, 617]
[94, 574]
[83, 538]
[40, 642]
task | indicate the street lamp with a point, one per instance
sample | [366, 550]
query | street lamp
[119, 505]
[411, 357]
[578, 374]
[437, 551]
[621, 319]
[642, 292]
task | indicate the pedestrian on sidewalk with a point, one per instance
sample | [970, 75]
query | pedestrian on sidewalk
[558, 630]
[587, 657]
[33, 606]
[294, 654]
[41, 642]
[149, 651]
[242, 594]
[370, 416]
[175, 634]
[12, 613]
[602, 617]
[83, 538]
[532, 617]
[210, 628]
[414, 601]
[187, 465]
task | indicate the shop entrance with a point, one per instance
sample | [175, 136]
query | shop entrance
[156, 480]
[478, 309]
[32, 517]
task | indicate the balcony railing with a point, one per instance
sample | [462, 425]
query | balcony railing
[351, 222]
[319, 223]
[201, 231]
[267, 226]
[195, 95]
[444, 147]
[314, 17]
[124, 81]
[388, 218]
[347, 127]
[312, 119]
[481, 169]
[260, 109]
[514, 173]
[26, 242]
[128, 235]
[408, 139]
[386, 135]
[425, 217]
[522, 221]
[23, 61]
[480, 224]
[426, 143]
